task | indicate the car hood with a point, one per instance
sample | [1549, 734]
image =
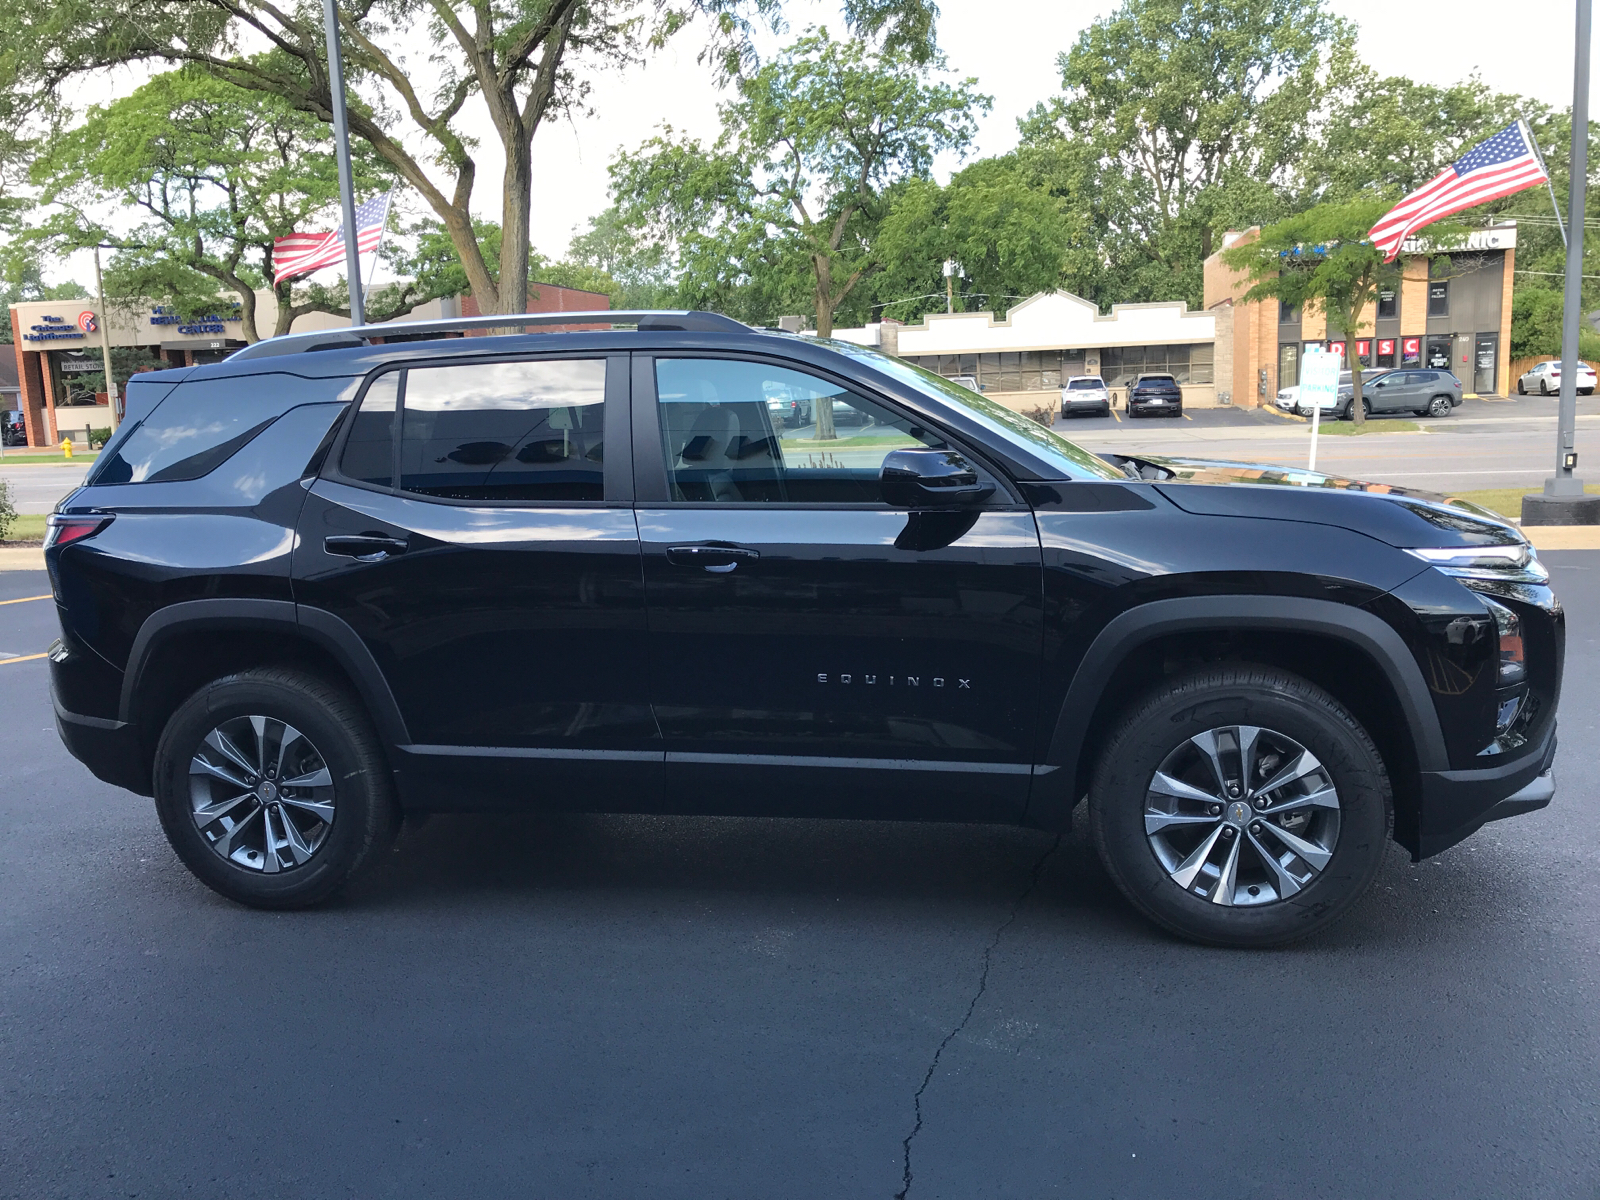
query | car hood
[1400, 516]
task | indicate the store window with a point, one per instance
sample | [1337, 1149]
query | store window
[1439, 298]
[1288, 313]
[1364, 351]
[1388, 305]
[1008, 371]
[1288, 365]
[1194, 363]
[1410, 351]
[1386, 348]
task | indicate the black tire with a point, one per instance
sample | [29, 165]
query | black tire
[1440, 406]
[1521, 390]
[1239, 695]
[366, 814]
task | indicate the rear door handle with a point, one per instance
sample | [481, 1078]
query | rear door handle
[368, 547]
[719, 560]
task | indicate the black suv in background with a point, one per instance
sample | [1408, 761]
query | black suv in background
[1158, 394]
[326, 582]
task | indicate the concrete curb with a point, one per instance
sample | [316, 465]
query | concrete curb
[21, 558]
[1563, 537]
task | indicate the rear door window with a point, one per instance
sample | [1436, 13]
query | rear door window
[505, 432]
[368, 455]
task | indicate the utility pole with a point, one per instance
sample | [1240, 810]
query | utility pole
[341, 145]
[1563, 501]
[951, 270]
[105, 341]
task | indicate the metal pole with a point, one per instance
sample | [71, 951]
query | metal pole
[105, 342]
[1564, 484]
[341, 145]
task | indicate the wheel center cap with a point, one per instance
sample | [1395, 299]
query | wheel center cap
[268, 791]
[1238, 813]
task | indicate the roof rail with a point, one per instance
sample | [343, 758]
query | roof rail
[648, 320]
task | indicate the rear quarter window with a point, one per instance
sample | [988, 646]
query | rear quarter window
[203, 423]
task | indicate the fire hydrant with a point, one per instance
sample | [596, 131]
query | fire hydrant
[66, 447]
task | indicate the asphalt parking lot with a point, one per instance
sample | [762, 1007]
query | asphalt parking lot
[587, 1006]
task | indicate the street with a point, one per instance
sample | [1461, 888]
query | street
[576, 1006]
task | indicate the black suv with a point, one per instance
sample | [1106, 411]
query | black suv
[328, 582]
[1155, 394]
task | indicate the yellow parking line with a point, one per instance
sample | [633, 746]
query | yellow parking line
[1116, 418]
[23, 599]
[1186, 416]
[23, 658]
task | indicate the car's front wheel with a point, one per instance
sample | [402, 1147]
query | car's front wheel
[272, 788]
[1240, 806]
[1522, 388]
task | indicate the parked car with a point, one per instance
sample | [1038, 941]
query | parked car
[1545, 378]
[1346, 389]
[324, 583]
[13, 429]
[1426, 393]
[1086, 395]
[1155, 394]
[1288, 398]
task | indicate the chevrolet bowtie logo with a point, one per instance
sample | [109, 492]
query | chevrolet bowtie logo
[912, 681]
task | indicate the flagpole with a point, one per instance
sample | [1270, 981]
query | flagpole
[1563, 501]
[1539, 154]
[341, 145]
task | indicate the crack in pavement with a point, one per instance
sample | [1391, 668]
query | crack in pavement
[972, 1006]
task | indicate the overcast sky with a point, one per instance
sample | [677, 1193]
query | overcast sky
[1010, 46]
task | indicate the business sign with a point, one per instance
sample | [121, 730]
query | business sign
[1337, 350]
[164, 314]
[87, 322]
[79, 366]
[57, 329]
[1410, 351]
[1385, 347]
[1319, 380]
[1364, 351]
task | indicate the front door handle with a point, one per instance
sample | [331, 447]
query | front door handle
[719, 560]
[367, 547]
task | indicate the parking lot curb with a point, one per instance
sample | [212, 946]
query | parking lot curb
[1563, 537]
[21, 558]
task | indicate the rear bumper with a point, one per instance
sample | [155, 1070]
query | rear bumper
[1456, 804]
[110, 749]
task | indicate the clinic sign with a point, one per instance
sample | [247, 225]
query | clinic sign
[49, 327]
[163, 314]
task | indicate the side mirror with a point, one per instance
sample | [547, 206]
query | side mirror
[930, 479]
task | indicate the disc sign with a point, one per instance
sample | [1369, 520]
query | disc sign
[1319, 380]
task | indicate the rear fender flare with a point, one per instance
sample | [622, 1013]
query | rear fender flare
[1125, 633]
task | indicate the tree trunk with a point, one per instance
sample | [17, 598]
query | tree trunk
[247, 314]
[517, 204]
[1357, 413]
[824, 291]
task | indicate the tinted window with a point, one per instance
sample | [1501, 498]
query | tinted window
[198, 427]
[369, 450]
[1439, 299]
[747, 432]
[1085, 383]
[509, 431]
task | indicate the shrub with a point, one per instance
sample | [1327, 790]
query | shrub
[8, 511]
[1045, 414]
[99, 437]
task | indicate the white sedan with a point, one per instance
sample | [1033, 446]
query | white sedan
[1546, 380]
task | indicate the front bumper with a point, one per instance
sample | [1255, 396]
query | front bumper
[1456, 804]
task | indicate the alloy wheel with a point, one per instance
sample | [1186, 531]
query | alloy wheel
[1242, 815]
[1438, 407]
[261, 794]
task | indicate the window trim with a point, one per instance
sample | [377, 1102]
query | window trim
[617, 470]
[652, 489]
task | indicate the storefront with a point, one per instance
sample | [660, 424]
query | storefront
[1448, 312]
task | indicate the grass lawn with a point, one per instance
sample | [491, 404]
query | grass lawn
[1351, 429]
[1508, 501]
[53, 456]
[28, 527]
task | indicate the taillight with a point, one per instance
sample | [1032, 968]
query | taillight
[63, 530]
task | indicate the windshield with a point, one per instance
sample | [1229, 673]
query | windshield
[1072, 461]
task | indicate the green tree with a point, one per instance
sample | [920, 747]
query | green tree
[523, 61]
[614, 260]
[1180, 117]
[1011, 238]
[795, 186]
[216, 173]
[1322, 257]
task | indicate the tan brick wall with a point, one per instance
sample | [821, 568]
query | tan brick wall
[1508, 379]
[1223, 353]
[1414, 298]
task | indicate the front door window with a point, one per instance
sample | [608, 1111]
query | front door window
[745, 432]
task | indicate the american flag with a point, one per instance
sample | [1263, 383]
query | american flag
[1508, 162]
[302, 253]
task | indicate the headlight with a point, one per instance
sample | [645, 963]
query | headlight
[1517, 563]
[1513, 662]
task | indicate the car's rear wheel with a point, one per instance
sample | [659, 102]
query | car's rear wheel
[272, 788]
[1240, 806]
[1439, 406]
